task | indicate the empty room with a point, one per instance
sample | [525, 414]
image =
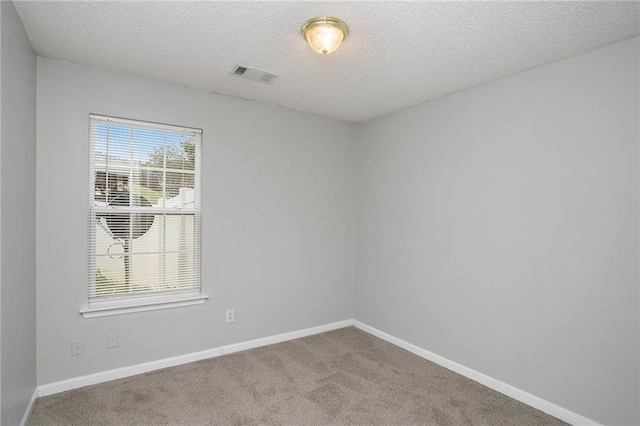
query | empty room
[319, 213]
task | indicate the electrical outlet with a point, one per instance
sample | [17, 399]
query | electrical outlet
[76, 347]
[112, 340]
[231, 315]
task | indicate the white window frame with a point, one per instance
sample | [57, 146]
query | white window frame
[124, 304]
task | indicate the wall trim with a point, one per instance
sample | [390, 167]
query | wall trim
[119, 373]
[29, 410]
[250, 344]
[495, 384]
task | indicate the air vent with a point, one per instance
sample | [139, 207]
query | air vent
[254, 74]
[240, 70]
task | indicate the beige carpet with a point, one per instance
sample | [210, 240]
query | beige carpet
[340, 377]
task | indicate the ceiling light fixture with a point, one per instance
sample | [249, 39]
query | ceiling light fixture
[325, 34]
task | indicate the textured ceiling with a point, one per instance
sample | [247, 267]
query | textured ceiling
[397, 54]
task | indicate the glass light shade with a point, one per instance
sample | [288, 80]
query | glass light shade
[324, 35]
[325, 39]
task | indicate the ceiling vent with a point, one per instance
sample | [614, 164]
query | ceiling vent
[254, 74]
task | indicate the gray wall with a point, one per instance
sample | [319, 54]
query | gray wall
[498, 227]
[17, 217]
[277, 220]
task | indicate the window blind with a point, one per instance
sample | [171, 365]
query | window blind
[144, 209]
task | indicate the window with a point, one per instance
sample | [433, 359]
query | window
[144, 216]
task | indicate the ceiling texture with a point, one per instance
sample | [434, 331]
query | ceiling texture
[397, 54]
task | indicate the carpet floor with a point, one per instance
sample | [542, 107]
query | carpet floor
[342, 377]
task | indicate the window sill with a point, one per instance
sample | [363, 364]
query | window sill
[105, 309]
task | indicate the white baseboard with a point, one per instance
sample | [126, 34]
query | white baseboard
[495, 384]
[27, 413]
[243, 346]
[119, 373]
[504, 388]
